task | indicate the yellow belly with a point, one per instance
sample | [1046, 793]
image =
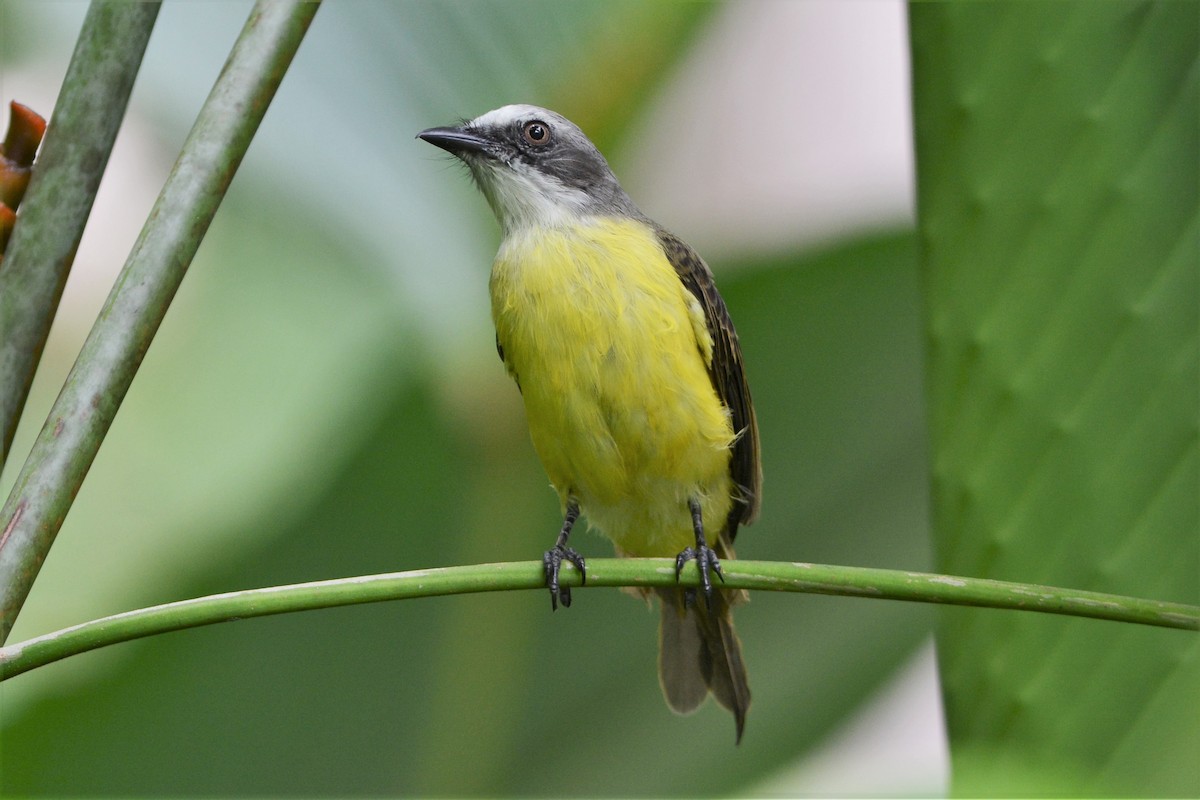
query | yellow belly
[610, 351]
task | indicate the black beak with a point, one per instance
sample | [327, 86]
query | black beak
[456, 140]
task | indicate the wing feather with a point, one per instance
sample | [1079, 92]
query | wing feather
[727, 374]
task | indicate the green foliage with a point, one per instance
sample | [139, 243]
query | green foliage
[296, 419]
[48, 482]
[395, 698]
[1057, 148]
[87, 116]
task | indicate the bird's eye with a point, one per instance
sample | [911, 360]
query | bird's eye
[537, 133]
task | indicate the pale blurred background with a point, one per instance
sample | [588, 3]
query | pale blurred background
[341, 298]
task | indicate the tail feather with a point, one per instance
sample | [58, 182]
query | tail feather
[681, 652]
[699, 652]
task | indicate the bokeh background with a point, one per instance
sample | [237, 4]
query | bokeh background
[324, 400]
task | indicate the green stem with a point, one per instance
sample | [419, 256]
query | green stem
[62, 189]
[763, 575]
[97, 384]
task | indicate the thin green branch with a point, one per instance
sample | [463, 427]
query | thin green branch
[97, 384]
[62, 189]
[763, 575]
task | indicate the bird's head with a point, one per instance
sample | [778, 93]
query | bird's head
[535, 167]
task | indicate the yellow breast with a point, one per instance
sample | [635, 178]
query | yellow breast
[610, 351]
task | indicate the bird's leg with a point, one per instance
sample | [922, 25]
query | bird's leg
[553, 558]
[704, 556]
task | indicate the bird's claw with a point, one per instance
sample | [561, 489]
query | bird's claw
[706, 561]
[552, 563]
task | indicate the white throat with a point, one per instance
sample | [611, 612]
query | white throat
[522, 197]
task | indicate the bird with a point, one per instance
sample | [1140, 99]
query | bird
[632, 378]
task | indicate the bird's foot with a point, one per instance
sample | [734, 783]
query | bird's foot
[552, 563]
[707, 562]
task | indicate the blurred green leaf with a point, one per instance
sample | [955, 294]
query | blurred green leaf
[397, 698]
[50, 479]
[1057, 148]
[296, 414]
[256, 383]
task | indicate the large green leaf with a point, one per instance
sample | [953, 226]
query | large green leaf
[1058, 147]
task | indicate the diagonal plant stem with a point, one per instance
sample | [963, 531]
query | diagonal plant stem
[97, 384]
[62, 189]
[642, 572]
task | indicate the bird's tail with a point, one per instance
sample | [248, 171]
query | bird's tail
[699, 652]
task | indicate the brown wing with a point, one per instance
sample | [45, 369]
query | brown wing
[728, 377]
